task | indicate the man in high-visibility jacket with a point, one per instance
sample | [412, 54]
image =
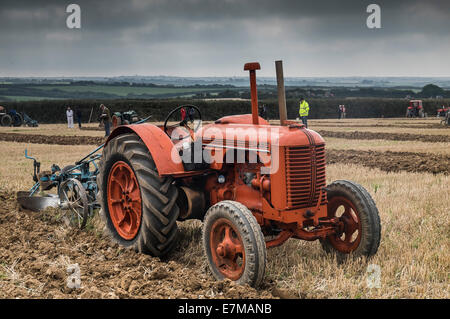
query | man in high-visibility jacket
[304, 111]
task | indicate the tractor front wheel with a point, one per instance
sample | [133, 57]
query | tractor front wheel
[234, 244]
[6, 120]
[138, 206]
[359, 229]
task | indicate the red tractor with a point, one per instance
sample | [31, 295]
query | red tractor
[415, 109]
[442, 112]
[254, 186]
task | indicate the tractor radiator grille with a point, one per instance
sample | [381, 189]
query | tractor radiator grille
[305, 175]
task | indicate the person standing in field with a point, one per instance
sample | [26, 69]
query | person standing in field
[69, 114]
[106, 118]
[304, 111]
[262, 111]
[191, 114]
[340, 112]
[78, 113]
[183, 115]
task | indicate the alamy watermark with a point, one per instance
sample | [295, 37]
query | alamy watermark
[73, 21]
[74, 278]
[230, 145]
[373, 279]
[374, 19]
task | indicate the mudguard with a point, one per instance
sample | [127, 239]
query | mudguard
[158, 144]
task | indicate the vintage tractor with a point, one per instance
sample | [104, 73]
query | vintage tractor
[124, 118]
[254, 186]
[10, 118]
[415, 109]
[442, 112]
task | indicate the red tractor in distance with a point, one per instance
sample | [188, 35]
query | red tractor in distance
[442, 112]
[415, 109]
[253, 185]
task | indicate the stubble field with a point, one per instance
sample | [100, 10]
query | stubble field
[404, 164]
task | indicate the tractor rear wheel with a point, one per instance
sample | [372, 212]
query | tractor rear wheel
[234, 244]
[138, 206]
[360, 229]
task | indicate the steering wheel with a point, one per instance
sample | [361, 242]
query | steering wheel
[187, 123]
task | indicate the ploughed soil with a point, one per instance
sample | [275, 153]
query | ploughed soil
[392, 161]
[37, 250]
[357, 135]
[51, 139]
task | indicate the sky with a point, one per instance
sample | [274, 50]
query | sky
[216, 37]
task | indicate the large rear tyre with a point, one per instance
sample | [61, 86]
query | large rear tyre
[360, 229]
[137, 205]
[234, 244]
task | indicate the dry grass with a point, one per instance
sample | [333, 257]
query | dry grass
[388, 145]
[16, 171]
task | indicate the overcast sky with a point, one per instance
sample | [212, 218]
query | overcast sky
[216, 38]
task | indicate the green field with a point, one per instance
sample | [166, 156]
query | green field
[19, 98]
[32, 92]
[125, 90]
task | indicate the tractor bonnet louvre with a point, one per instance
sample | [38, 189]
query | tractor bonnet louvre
[305, 175]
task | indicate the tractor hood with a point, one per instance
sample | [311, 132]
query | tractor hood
[262, 136]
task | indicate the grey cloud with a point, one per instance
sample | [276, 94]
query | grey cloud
[201, 37]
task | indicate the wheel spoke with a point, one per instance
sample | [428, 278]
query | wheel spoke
[239, 249]
[116, 181]
[227, 237]
[65, 195]
[135, 197]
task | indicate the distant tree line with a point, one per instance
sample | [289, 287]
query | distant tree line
[53, 111]
[86, 91]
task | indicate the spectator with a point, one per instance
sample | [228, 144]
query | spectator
[262, 111]
[69, 114]
[106, 118]
[344, 114]
[183, 115]
[340, 112]
[304, 111]
[78, 113]
[191, 114]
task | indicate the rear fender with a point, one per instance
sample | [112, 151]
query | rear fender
[161, 148]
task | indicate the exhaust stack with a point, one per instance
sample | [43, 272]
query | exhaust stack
[252, 67]
[281, 92]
